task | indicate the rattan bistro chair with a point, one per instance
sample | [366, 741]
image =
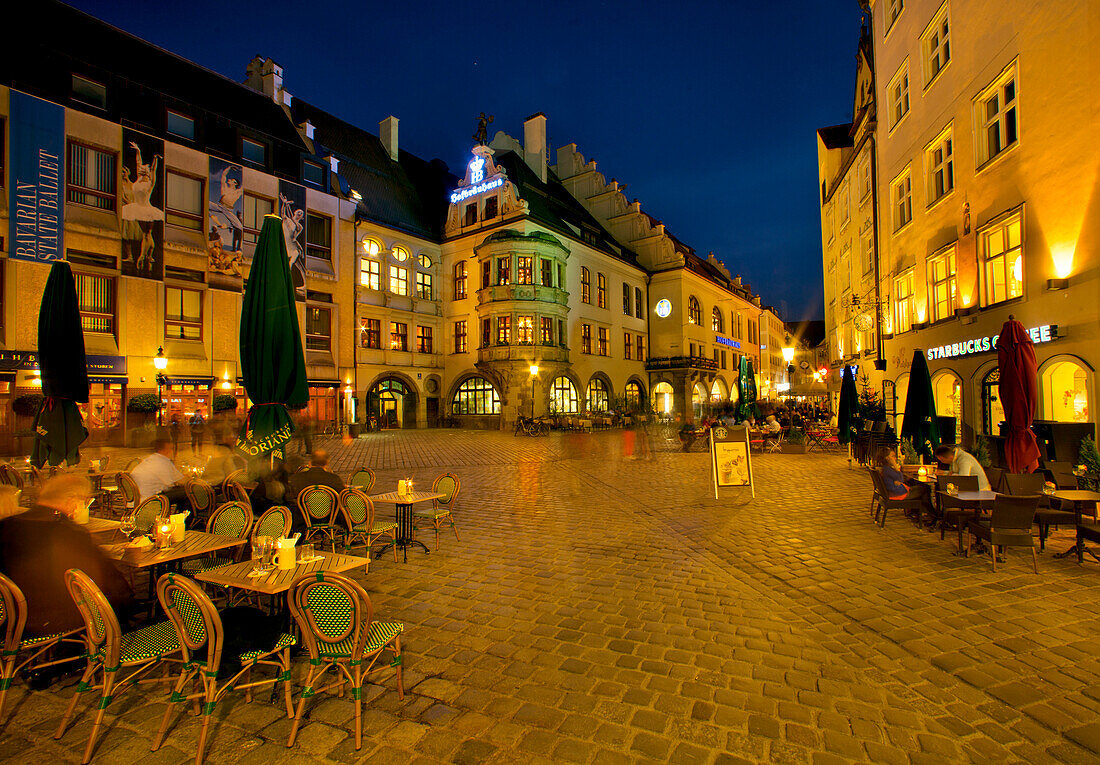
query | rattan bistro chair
[231, 519]
[198, 628]
[1009, 526]
[123, 659]
[276, 522]
[334, 616]
[362, 479]
[358, 512]
[200, 495]
[147, 512]
[318, 505]
[235, 492]
[442, 509]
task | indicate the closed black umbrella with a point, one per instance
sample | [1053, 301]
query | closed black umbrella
[272, 364]
[59, 428]
[920, 425]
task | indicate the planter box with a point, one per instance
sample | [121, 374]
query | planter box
[794, 448]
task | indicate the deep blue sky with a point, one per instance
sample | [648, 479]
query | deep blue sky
[706, 109]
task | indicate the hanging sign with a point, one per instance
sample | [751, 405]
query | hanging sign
[37, 134]
[730, 458]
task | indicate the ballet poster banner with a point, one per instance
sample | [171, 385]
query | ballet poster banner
[37, 168]
[141, 208]
[292, 209]
[224, 240]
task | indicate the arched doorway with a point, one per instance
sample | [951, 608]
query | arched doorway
[632, 394]
[563, 396]
[597, 395]
[947, 390]
[662, 398]
[993, 414]
[717, 391]
[700, 400]
[1065, 391]
[393, 403]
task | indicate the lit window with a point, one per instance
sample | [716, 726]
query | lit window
[424, 261]
[903, 302]
[183, 203]
[936, 42]
[372, 247]
[716, 319]
[504, 330]
[638, 302]
[180, 125]
[486, 274]
[941, 283]
[546, 330]
[633, 394]
[695, 311]
[95, 297]
[941, 166]
[460, 336]
[400, 254]
[504, 270]
[1002, 253]
[586, 295]
[370, 274]
[183, 314]
[399, 280]
[476, 396]
[563, 396]
[639, 347]
[423, 286]
[586, 338]
[399, 336]
[525, 269]
[525, 330]
[91, 177]
[603, 348]
[601, 291]
[628, 345]
[597, 395]
[423, 339]
[998, 117]
[898, 94]
[370, 333]
[902, 198]
[460, 280]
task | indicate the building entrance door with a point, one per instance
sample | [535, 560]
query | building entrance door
[432, 412]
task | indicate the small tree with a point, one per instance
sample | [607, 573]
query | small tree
[870, 406]
[224, 402]
[980, 450]
[908, 453]
[143, 403]
[1090, 458]
[27, 405]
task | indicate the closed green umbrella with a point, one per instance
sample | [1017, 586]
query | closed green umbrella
[920, 425]
[747, 384]
[847, 414]
[59, 428]
[272, 364]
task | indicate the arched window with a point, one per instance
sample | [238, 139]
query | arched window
[461, 280]
[695, 312]
[372, 247]
[563, 396]
[716, 320]
[662, 398]
[476, 396]
[586, 286]
[947, 390]
[400, 254]
[993, 413]
[597, 395]
[1065, 386]
[717, 392]
[633, 395]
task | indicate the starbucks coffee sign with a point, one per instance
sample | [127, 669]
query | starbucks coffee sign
[1042, 334]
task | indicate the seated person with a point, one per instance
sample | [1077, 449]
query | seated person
[771, 425]
[897, 486]
[686, 434]
[38, 546]
[158, 474]
[961, 462]
[316, 474]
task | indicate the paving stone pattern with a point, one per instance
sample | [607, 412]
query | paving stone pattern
[602, 609]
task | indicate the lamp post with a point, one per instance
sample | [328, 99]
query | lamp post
[534, 374]
[788, 356]
[160, 363]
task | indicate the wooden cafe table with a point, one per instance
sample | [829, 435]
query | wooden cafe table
[194, 544]
[404, 503]
[278, 580]
[974, 499]
[1077, 498]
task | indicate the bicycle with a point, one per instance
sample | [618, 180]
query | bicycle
[527, 426]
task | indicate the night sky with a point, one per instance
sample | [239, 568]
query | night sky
[706, 110]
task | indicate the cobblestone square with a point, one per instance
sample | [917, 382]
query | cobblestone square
[604, 609]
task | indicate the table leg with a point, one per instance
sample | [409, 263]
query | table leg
[404, 533]
[1078, 548]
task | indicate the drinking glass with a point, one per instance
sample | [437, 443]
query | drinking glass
[306, 553]
[258, 554]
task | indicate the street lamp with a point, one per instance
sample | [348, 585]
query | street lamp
[534, 374]
[788, 356]
[161, 363]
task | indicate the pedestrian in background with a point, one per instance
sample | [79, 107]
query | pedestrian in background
[197, 424]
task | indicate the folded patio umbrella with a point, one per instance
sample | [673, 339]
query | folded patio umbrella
[747, 384]
[1019, 391]
[848, 407]
[59, 428]
[920, 424]
[272, 364]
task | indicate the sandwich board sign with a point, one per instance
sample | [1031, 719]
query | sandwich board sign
[730, 458]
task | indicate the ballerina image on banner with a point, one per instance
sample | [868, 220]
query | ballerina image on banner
[292, 209]
[142, 209]
[223, 241]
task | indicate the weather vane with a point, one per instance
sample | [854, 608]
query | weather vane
[482, 129]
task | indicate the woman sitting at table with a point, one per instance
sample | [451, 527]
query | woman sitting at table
[897, 485]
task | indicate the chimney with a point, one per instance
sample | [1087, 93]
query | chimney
[307, 128]
[387, 134]
[265, 76]
[534, 144]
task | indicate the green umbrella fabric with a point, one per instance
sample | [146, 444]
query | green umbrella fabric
[59, 428]
[920, 425]
[747, 384]
[272, 364]
[847, 414]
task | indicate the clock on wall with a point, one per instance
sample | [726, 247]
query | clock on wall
[664, 307]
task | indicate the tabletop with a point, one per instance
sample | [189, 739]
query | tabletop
[278, 580]
[101, 525]
[1077, 495]
[194, 544]
[405, 499]
[972, 496]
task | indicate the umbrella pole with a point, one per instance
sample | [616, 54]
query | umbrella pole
[849, 454]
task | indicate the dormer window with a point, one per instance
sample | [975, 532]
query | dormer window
[89, 92]
[313, 173]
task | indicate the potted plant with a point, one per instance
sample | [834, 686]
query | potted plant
[145, 404]
[795, 443]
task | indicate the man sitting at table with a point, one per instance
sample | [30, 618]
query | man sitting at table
[960, 462]
[158, 474]
[37, 548]
[316, 474]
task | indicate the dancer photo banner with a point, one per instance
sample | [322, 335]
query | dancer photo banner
[224, 240]
[141, 208]
[37, 134]
[292, 209]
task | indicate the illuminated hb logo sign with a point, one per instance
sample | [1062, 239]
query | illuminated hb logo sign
[477, 170]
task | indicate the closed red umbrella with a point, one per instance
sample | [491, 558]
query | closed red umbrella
[1019, 391]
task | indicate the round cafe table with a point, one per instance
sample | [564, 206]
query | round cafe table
[404, 504]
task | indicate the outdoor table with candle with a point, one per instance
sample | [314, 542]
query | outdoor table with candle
[974, 499]
[278, 580]
[404, 502]
[193, 545]
[1077, 498]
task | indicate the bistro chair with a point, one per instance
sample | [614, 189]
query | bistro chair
[1031, 485]
[133, 464]
[122, 499]
[951, 510]
[884, 502]
[318, 505]
[235, 492]
[775, 443]
[995, 475]
[1009, 526]
[200, 495]
[13, 618]
[441, 509]
[362, 479]
[334, 616]
[10, 476]
[1061, 474]
[122, 659]
[230, 478]
[276, 522]
[358, 512]
[146, 514]
[201, 636]
[231, 519]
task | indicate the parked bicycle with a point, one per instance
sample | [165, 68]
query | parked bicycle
[528, 426]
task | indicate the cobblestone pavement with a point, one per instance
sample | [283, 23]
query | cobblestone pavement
[600, 609]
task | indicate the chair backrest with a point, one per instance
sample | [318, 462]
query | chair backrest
[236, 492]
[11, 476]
[233, 476]
[962, 482]
[332, 612]
[357, 507]
[447, 485]
[127, 487]
[101, 628]
[877, 482]
[362, 479]
[1061, 473]
[995, 475]
[13, 616]
[200, 494]
[276, 522]
[1019, 484]
[197, 622]
[231, 519]
[133, 463]
[318, 504]
[148, 511]
[1013, 513]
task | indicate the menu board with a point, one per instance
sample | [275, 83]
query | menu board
[730, 458]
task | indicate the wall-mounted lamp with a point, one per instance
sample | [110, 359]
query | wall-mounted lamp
[1057, 284]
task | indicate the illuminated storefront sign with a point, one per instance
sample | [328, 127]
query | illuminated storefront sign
[664, 307]
[1042, 334]
[726, 341]
[469, 191]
